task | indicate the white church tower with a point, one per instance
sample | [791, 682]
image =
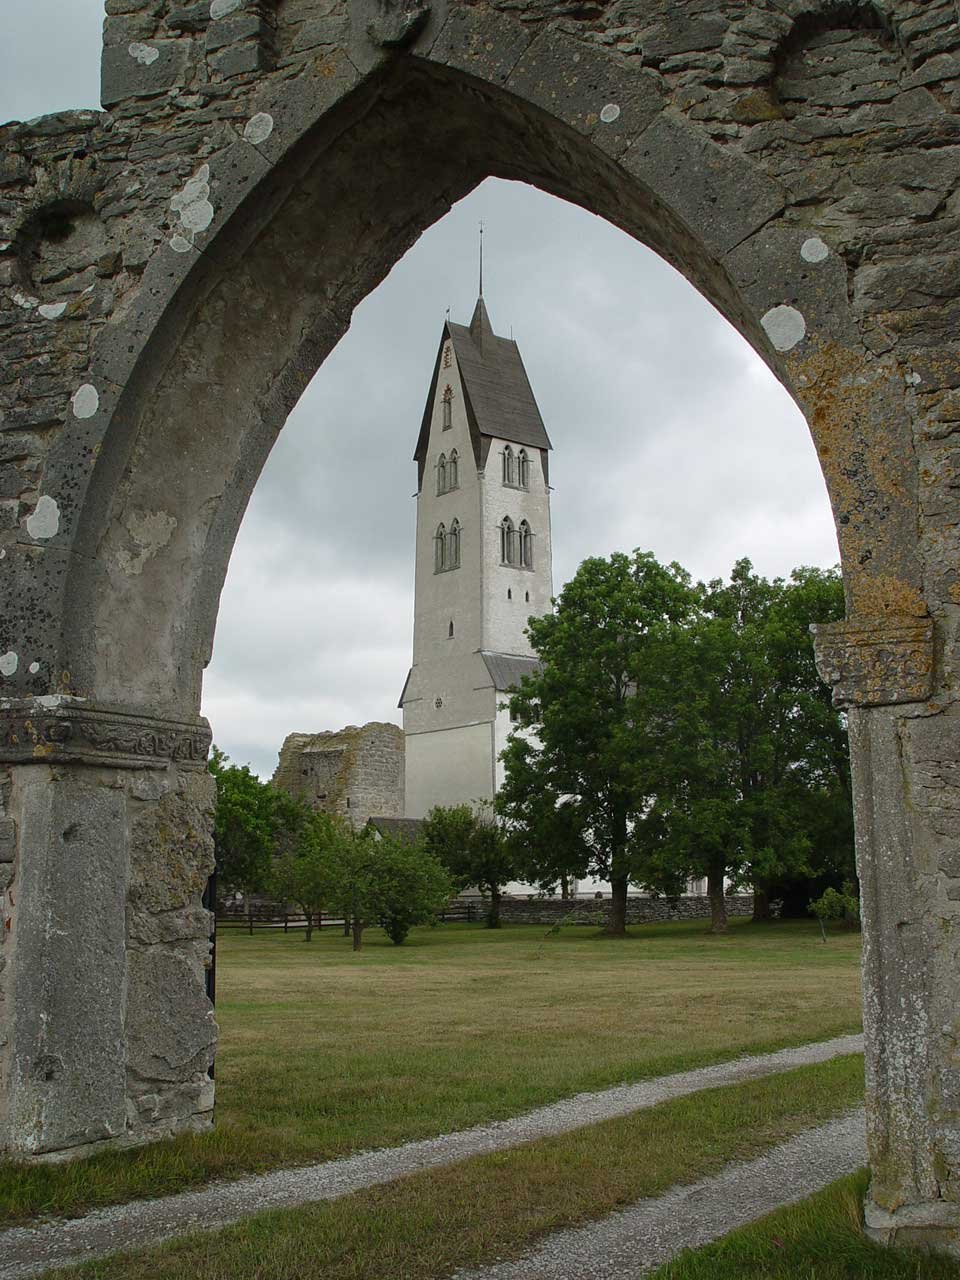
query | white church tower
[483, 563]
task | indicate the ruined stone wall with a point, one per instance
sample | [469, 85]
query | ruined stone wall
[354, 772]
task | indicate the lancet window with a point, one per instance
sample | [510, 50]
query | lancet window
[525, 539]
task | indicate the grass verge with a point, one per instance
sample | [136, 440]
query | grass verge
[818, 1239]
[495, 1206]
[324, 1051]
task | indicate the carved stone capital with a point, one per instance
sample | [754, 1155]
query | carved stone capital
[71, 731]
[875, 662]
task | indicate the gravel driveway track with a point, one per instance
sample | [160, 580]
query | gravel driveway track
[28, 1251]
[634, 1241]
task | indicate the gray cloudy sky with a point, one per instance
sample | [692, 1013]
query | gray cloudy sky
[668, 432]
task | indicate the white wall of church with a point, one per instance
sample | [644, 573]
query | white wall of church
[452, 766]
[452, 595]
[505, 604]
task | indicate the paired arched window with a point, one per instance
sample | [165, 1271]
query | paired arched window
[448, 472]
[516, 544]
[525, 539]
[446, 547]
[447, 408]
[516, 468]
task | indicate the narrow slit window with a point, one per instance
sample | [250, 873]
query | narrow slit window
[448, 408]
[450, 630]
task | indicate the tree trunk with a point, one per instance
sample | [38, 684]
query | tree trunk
[493, 914]
[565, 894]
[309, 933]
[357, 933]
[346, 925]
[761, 904]
[617, 922]
[718, 905]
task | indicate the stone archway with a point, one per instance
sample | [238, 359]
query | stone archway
[175, 271]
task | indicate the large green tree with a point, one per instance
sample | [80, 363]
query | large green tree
[474, 849]
[252, 821]
[752, 751]
[301, 870]
[586, 747]
[383, 880]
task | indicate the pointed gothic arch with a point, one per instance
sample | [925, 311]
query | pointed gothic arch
[158, 416]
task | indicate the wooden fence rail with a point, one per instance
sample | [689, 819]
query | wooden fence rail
[275, 916]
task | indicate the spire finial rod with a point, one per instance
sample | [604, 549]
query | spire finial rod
[481, 259]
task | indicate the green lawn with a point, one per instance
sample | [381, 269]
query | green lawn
[324, 1051]
[497, 1206]
[818, 1239]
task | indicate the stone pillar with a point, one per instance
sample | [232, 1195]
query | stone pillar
[105, 848]
[905, 754]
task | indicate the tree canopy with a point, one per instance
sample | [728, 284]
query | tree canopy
[474, 849]
[678, 730]
[253, 819]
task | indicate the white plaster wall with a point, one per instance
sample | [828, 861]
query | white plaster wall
[452, 766]
[504, 620]
[453, 595]
[463, 685]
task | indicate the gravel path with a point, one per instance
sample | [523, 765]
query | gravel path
[28, 1251]
[651, 1232]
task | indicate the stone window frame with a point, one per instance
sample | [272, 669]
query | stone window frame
[446, 546]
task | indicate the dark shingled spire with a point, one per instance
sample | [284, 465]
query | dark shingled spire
[498, 397]
[481, 330]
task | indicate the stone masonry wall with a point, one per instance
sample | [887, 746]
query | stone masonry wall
[354, 772]
[550, 911]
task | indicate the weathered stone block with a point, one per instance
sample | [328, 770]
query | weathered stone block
[236, 27]
[67, 1036]
[150, 68]
[590, 90]
[236, 60]
[718, 193]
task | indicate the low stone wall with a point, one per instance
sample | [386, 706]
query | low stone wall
[639, 910]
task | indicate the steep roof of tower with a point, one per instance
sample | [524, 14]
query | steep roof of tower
[498, 397]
